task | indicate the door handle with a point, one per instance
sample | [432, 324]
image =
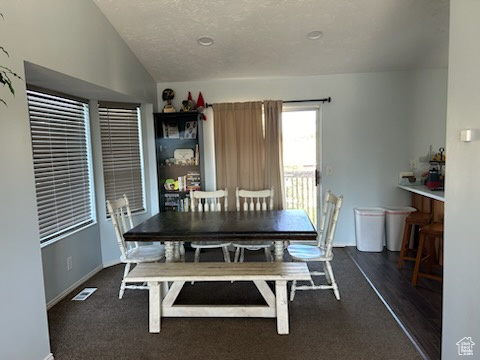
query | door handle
[317, 177]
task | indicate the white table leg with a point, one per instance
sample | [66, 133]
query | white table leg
[181, 251]
[278, 250]
[282, 306]
[155, 298]
[176, 251]
[164, 288]
[169, 251]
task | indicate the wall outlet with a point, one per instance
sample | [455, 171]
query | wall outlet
[413, 164]
[69, 263]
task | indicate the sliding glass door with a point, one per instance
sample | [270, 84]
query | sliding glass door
[301, 156]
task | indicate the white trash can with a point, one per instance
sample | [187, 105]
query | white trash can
[394, 223]
[370, 229]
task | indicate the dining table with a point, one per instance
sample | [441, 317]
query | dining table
[175, 228]
[166, 280]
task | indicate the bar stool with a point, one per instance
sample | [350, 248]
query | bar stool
[414, 219]
[428, 235]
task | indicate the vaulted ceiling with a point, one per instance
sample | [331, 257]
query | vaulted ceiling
[268, 38]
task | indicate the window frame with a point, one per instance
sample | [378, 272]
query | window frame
[137, 199]
[43, 122]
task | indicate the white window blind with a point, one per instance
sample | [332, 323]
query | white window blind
[121, 153]
[61, 160]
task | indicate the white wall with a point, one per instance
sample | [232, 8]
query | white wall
[428, 114]
[79, 52]
[461, 315]
[369, 134]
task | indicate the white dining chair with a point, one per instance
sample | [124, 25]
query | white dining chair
[203, 201]
[322, 252]
[253, 201]
[131, 252]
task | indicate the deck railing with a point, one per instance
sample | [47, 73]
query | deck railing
[301, 192]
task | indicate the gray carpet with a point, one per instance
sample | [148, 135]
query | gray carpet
[104, 327]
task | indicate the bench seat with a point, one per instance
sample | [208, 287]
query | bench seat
[154, 274]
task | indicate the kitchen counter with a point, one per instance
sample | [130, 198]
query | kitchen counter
[423, 190]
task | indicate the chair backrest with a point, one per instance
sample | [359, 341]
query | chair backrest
[203, 201]
[121, 216]
[328, 222]
[259, 200]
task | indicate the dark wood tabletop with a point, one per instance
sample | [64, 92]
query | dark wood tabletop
[194, 226]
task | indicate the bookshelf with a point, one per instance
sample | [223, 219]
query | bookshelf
[179, 158]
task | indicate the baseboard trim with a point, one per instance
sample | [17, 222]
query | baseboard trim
[111, 263]
[49, 357]
[64, 293]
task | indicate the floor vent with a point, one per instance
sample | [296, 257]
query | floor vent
[84, 294]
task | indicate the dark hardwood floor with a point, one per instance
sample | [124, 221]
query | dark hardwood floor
[417, 309]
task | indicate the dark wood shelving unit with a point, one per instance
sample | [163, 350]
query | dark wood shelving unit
[165, 150]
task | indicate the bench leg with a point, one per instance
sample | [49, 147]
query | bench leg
[282, 306]
[155, 298]
[278, 250]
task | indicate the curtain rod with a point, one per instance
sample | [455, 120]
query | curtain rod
[329, 99]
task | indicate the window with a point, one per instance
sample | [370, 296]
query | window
[61, 161]
[121, 153]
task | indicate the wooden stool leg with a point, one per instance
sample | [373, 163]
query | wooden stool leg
[418, 259]
[405, 244]
[432, 254]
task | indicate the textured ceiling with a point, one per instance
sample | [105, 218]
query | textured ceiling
[267, 38]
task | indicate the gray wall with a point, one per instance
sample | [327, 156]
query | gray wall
[375, 124]
[428, 114]
[461, 315]
[69, 46]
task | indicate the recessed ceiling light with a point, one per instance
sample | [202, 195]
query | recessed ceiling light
[205, 40]
[314, 35]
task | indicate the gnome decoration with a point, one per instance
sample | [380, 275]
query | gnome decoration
[188, 105]
[191, 104]
[201, 106]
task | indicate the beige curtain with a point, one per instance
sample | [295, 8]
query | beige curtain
[239, 147]
[274, 151]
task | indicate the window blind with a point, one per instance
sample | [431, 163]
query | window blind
[121, 153]
[61, 160]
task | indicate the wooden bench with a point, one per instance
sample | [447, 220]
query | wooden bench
[162, 305]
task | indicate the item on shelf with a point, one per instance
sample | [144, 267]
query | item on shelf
[190, 130]
[183, 156]
[170, 130]
[201, 106]
[193, 181]
[183, 204]
[182, 181]
[170, 161]
[188, 105]
[172, 201]
[197, 156]
[440, 156]
[186, 204]
[168, 95]
[171, 184]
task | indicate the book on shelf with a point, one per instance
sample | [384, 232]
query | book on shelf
[171, 200]
[193, 180]
[174, 202]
